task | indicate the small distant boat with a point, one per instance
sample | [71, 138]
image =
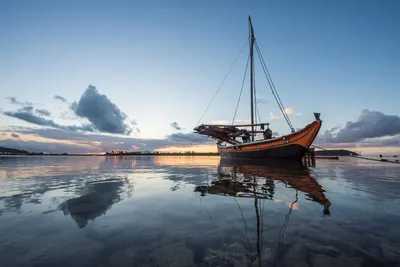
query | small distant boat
[292, 146]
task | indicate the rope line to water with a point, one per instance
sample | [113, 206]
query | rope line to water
[245, 225]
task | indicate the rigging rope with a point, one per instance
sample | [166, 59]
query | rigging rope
[209, 216]
[272, 86]
[223, 81]
[282, 231]
[241, 89]
[255, 101]
[245, 225]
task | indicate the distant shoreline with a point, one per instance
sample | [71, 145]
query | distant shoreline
[16, 152]
[114, 155]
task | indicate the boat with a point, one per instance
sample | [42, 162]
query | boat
[243, 141]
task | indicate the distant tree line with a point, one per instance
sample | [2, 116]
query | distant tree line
[122, 152]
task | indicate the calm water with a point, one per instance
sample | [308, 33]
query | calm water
[197, 211]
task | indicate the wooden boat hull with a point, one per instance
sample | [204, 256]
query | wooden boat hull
[292, 146]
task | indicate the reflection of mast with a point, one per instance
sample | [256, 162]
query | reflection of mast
[258, 222]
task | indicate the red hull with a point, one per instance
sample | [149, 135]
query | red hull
[292, 146]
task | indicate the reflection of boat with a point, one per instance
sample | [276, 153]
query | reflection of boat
[293, 145]
[235, 179]
[256, 179]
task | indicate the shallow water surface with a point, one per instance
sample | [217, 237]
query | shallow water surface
[197, 211]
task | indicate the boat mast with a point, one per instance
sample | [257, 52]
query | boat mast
[251, 31]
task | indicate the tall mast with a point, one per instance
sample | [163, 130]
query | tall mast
[251, 31]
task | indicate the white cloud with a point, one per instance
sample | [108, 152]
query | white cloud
[289, 110]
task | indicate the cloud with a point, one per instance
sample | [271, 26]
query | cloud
[15, 135]
[58, 97]
[80, 142]
[373, 129]
[31, 118]
[175, 126]
[43, 112]
[393, 141]
[370, 124]
[14, 101]
[186, 138]
[104, 115]
[26, 109]
[289, 110]
[382, 142]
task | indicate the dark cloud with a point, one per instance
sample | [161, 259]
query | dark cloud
[370, 124]
[103, 115]
[26, 109]
[31, 118]
[175, 126]
[372, 142]
[15, 135]
[187, 138]
[382, 142]
[58, 97]
[329, 134]
[101, 112]
[14, 101]
[43, 112]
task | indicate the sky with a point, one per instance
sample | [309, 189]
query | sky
[93, 76]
